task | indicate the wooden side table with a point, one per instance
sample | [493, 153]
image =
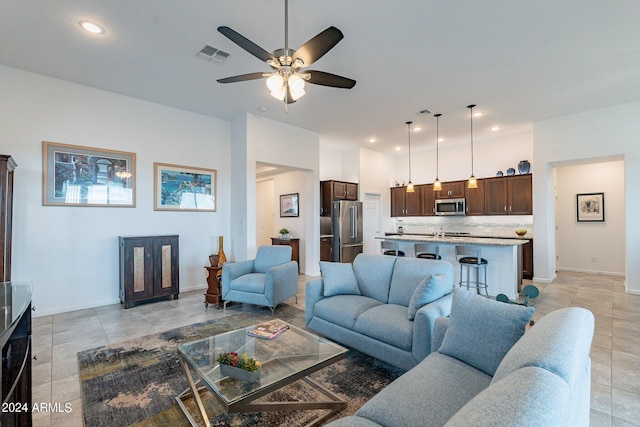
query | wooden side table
[295, 248]
[214, 287]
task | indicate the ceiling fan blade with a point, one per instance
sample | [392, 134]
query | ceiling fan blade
[246, 44]
[243, 78]
[315, 48]
[328, 79]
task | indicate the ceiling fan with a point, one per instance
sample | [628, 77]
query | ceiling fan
[287, 78]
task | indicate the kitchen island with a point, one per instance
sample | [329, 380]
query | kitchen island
[504, 257]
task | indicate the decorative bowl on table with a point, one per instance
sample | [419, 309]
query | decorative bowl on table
[521, 232]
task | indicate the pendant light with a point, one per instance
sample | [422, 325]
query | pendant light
[437, 185]
[473, 183]
[410, 188]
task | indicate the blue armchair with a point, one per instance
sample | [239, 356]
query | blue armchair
[267, 280]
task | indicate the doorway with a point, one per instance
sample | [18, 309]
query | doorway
[371, 220]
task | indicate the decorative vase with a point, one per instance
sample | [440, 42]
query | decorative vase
[524, 166]
[222, 258]
[240, 374]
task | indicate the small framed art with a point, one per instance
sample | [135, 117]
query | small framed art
[184, 188]
[590, 207]
[289, 205]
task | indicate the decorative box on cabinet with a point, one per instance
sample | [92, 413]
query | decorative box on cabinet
[295, 248]
[148, 268]
[15, 341]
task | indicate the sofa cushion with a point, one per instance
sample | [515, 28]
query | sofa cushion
[430, 289]
[374, 275]
[338, 279]
[408, 273]
[253, 282]
[529, 397]
[481, 331]
[387, 323]
[559, 342]
[343, 310]
[427, 395]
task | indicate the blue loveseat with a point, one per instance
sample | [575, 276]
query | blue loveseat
[383, 306]
[477, 377]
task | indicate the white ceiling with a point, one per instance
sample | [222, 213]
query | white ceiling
[520, 61]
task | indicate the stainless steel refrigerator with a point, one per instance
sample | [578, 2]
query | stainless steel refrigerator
[346, 222]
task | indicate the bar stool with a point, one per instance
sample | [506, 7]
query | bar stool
[470, 257]
[427, 250]
[390, 248]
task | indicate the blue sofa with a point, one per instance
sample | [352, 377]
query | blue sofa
[544, 379]
[383, 306]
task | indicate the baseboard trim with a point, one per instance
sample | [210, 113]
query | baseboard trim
[601, 273]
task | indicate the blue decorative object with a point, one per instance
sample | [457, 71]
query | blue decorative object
[511, 171]
[524, 166]
[499, 173]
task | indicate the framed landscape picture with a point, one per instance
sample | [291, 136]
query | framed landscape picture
[84, 176]
[590, 207]
[289, 205]
[184, 188]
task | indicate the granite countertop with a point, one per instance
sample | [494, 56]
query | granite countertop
[485, 241]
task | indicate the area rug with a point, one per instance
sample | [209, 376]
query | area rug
[135, 382]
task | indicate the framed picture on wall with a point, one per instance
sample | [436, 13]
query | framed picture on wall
[184, 188]
[590, 207]
[289, 205]
[84, 176]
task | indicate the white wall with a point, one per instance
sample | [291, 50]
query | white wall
[71, 253]
[256, 139]
[591, 246]
[265, 212]
[490, 156]
[592, 135]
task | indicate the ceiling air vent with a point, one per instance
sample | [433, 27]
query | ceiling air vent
[210, 53]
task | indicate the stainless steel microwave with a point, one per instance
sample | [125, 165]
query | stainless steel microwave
[450, 207]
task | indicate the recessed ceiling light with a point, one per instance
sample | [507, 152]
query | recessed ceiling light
[495, 128]
[92, 27]
[440, 139]
[397, 148]
[263, 109]
[417, 129]
[478, 114]
[372, 140]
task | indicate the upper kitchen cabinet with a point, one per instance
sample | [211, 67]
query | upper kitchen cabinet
[427, 199]
[475, 199]
[511, 195]
[336, 190]
[403, 203]
[452, 190]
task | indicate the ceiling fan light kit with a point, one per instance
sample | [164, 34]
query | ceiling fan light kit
[286, 81]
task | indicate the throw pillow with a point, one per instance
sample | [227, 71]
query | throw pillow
[481, 331]
[430, 289]
[338, 279]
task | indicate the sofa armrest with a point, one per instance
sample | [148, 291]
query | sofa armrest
[439, 329]
[281, 282]
[423, 325]
[233, 270]
[314, 292]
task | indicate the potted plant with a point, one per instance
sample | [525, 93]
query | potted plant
[284, 233]
[241, 367]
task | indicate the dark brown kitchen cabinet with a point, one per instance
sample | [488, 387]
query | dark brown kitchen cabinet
[336, 190]
[427, 199]
[511, 195]
[527, 260]
[149, 268]
[326, 249]
[403, 203]
[452, 190]
[475, 199]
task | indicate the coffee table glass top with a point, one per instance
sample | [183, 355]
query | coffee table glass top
[293, 354]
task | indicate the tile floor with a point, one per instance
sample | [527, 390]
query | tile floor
[615, 352]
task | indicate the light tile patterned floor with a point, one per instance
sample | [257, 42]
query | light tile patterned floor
[615, 390]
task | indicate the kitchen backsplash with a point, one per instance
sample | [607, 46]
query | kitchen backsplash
[490, 226]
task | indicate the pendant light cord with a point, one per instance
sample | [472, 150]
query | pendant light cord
[437, 116]
[409, 132]
[470, 107]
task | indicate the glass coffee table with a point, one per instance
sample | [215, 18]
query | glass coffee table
[290, 357]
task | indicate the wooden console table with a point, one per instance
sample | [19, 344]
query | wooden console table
[214, 289]
[295, 248]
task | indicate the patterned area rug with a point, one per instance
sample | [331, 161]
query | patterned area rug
[135, 382]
